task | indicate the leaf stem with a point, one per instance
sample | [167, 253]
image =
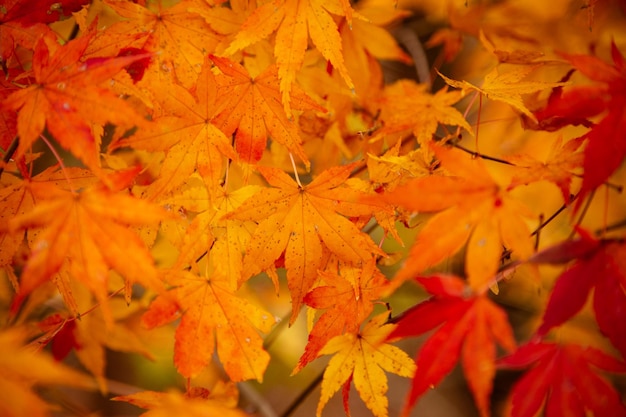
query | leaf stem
[60, 161]
[295, 170]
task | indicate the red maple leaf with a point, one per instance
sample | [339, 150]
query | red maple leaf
[468, 327]
[563, 378]
[601, 266]
[606, 148]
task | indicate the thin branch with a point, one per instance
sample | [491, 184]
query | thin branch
[9, 153]
[609, 228]
[480, 155]
[303, 395]
[407, 37]
[553, 216]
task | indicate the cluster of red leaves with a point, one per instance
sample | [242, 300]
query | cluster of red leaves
[249, 137]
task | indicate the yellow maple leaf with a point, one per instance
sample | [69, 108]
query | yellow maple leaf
[507, 87]
[361, 358]
[294, 21]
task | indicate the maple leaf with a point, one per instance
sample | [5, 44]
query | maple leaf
[605, 151]
[197, 402]
[87, 231]
[507, 87]
[408, 106]
[368, 39]
[226, 20]
[361, 358]
[15, 200]
[252, 111]
[563, 377]
[66, 99]
[468, 327]
[23, 370]
[296, 219]
[181, 38]
[294, 21]
[347, 297]
[600, 267]
[187, 135]
[471, 207]
[559, 166]
[224, 239]
[90, 336]
[22, 22]
[212, 314]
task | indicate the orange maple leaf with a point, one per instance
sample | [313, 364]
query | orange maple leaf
[560, 165]
[88, 232]
[470, 205]
[186, 134]
[67, 99]
[410, 107]
[90, 336]
[180, 38]
[23, 369]
[294, 21]
[212, 314]
[197, 402]
[224, 239]
[252, 111]
[470, 326]
[347, 297]
[361, 357]
[296, 219]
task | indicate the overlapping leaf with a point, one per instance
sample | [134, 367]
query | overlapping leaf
[361, 358]
[468, 327]
[300, 221]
